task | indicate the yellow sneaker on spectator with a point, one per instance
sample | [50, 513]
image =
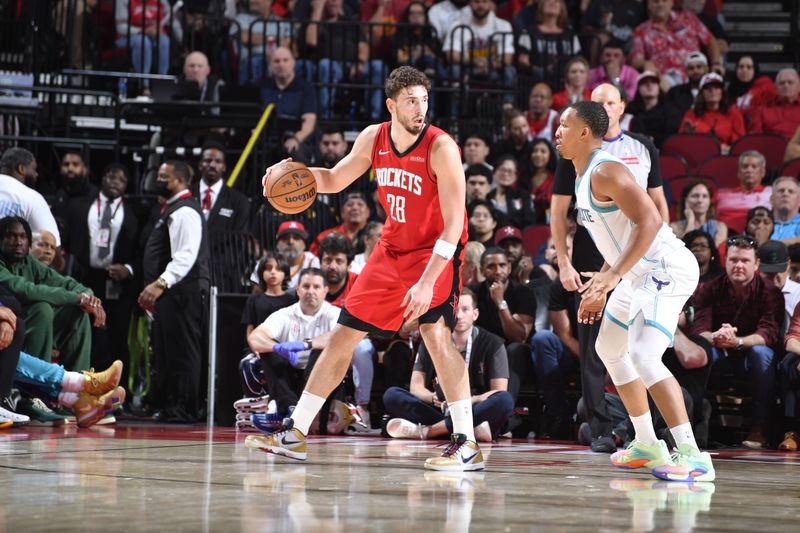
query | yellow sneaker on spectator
[98, 383]
[90, 409]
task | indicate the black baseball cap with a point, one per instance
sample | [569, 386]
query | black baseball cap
[773, 257]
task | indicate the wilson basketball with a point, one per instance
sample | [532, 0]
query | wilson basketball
[291, 188]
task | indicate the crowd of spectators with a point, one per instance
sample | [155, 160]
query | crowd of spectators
[658, 69]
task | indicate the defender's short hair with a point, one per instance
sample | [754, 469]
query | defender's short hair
[404, 77]
[594, 115]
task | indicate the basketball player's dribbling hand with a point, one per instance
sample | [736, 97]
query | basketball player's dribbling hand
[593, 294]
[590, 311]
[417, 301]
[265, 177]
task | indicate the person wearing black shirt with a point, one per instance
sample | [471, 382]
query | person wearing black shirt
[273, 276]
[421, 407]
[506, 309]
[555, 353]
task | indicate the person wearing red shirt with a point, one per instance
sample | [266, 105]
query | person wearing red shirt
[733, 204]
[782, 116]
[663, 42]
[576, 90]
[712, 113]
[542, 118]
[354, 214]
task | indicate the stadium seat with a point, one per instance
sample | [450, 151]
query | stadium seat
[672, 166]
[723, 168]
[791, 168]
[771, 145]
[694, 148]
[534, 236]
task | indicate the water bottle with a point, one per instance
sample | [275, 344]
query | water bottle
[122, 88]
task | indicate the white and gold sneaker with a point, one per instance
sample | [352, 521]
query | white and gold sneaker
[461, 455]
[286, 441]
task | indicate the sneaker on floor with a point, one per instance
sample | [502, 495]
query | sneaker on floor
[461, 455]
[108, 419]
[258, 404]
[604, 444]
[39, 413]
[17, 418]
[5, 423]
[90, 409]
[66, 412]
[400, 428]
[286, 441]
[640, 455]
[687, 464]
[483, 432]
[99, 383]
[755, 441]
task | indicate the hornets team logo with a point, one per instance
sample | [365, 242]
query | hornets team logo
[659, 283]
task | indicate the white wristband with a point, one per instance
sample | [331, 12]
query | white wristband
[445, 249]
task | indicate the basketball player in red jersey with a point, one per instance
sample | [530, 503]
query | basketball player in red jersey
[414, 271]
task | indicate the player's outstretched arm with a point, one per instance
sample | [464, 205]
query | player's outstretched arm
[350, 167]
[451, 184]
[612, 181]
[346, 171]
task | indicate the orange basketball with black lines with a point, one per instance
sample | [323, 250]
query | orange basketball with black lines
[291, 188]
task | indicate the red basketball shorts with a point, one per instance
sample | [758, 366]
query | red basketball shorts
[374, 303]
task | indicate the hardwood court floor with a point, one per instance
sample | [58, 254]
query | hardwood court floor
[176, 478]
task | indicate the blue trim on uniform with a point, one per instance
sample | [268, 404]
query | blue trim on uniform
[614, 320]
[610, 233]
[660, 328]
[614, 139]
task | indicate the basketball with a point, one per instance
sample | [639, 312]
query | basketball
[291, 188]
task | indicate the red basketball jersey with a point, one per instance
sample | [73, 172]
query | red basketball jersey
[408, 192]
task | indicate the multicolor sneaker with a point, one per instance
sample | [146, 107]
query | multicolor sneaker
[687, 464]
[99, 383]
[259, 404]
[461, 455]
[286, 441]
[640, 455]
[90, 409]
[17, 419]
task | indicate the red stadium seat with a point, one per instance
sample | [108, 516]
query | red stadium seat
[694, 148]
[534, 236]
[672, 166]
[771, 145]
[723, 168]
[676, 189]
[791, 168]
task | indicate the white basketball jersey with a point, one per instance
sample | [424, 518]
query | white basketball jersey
[610, 228]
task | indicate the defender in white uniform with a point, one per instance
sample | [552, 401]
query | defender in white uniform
[652, 274]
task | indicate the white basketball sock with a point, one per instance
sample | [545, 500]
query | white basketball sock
[72, 382]
[68, 399]
[307, 408]
[643, 424]
[683, 434]
[461, 415]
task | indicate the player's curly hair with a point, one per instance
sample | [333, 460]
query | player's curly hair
[404, 77]
[594, 115]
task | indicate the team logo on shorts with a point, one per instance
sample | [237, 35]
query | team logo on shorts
[659, 283]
